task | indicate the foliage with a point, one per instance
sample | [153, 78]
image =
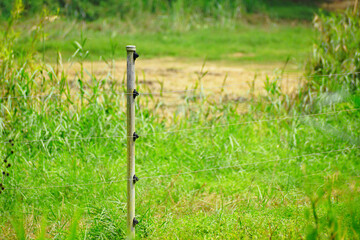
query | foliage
[124, 9]
[336, 51]
[256, 44]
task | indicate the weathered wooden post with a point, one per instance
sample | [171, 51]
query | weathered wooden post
[131, 138]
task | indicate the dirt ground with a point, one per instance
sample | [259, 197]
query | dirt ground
[336, 5]
[171, 74]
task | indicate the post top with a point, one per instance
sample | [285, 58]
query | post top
[130, 48]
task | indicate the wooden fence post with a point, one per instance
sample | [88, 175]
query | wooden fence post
[131, 138]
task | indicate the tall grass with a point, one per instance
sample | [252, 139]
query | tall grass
[337, 51]
[291, 178]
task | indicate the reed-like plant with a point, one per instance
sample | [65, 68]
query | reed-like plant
[336, 53]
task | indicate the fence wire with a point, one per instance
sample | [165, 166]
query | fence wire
[182, 173]
[249, 164]
[189, 129]
[249, 122]
[186, 90]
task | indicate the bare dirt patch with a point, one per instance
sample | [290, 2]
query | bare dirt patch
[337, 5]
[166, 78]
[171, 74]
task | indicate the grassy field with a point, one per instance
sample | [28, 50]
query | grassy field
[246, 43]
[215, 165]
[233, 42]
[283, 178]
[270, 35]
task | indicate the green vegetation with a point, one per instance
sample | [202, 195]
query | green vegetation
[196, 31]
[337, 52]
[273, 43]
[260, 196]
[123, 9]
[231, 174]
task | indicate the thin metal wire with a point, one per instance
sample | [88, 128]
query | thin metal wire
[145, 93]
[64, 139]
[244, 199]
[187, 90]
[249, 122]
[42, 95]
[184, 173]
[306, 155]
[69, 185]
[193, 129]
[180, 91]
[33, 96]
[331, 75]
[247, 164]
[232, 85]
[282, 159]
[31, 213]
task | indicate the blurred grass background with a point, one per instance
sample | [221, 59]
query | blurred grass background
[261, 31]
[124, 9]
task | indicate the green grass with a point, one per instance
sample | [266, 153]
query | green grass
[231, 175]
[259, 196]
[245, 43]
[200, 30]
[292, 11]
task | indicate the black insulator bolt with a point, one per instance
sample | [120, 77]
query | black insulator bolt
[135, 93]
[135, 179]
[136, 55]
[135, 136]
[135, 222]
